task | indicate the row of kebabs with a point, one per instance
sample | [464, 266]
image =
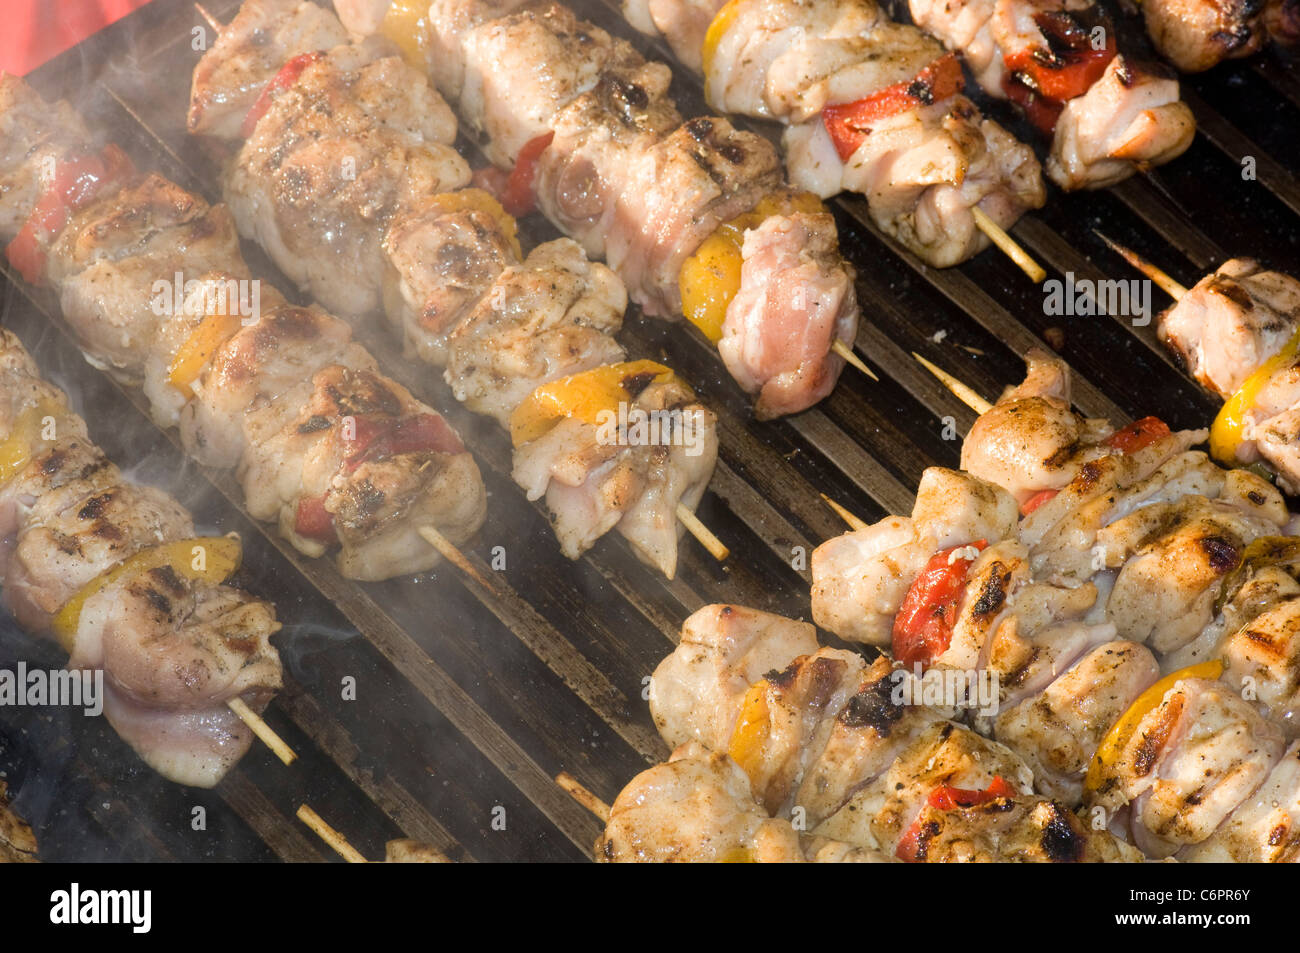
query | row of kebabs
[344, 173]
[1135, 606]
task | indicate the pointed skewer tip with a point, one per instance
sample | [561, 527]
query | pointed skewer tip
[959, 390]
[212, 21]
[846, 352]
[1168, 284]
[844, 513]
[1008, 245]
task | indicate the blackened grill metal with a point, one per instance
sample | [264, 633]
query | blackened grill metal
[470, 699]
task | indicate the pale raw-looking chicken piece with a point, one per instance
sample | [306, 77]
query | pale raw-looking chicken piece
[1230, 322]
[322, 175]
[683, 23]
[1189, 762]
[596, 478]
[698, 807]
[796, 298]
[1130, 119]
[263, 36]
[553, 315]
[696, 692]
[861, 577]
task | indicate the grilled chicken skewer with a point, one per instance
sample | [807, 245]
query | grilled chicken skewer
[1130, 541]
[598, 140]
[1107, 115]
[869, 106]
[117, 574]
[826, 744]
[1237, 332]
[515, 335]
[323, 444]
[788, 356]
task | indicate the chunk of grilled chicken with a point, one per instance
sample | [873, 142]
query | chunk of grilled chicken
[250, 50]
[1030, 440]
[861, 577]
[698, 807]
[1190, 761]
[1058, 730]
[1130, 119]
[601, 477]
[552, 315]
[1263, 829]
[65, 546]
[240, 394]
[325, 171]
[1195, 35]
[1230, 322]
[108, 260]
[407, 851]
[797, 298]
[438, 264]
[683, 23]
[696, 692]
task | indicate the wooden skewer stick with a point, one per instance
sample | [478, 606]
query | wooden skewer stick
[329, 835]
[846, 352]
[1168, 284]
[212, 21]
[263, 731]
[998, 236]
[963, 393]
[717, 549]
[454, 556]
[844, 514]
[575, 789]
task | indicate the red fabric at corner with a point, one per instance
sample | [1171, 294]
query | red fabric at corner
[35, 31]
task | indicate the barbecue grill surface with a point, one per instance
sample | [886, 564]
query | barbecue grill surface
[469, 701]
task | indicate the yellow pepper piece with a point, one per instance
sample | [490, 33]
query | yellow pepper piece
[1117, 738]
[582, 395]
[406, 25]
[720, 24]
[210, 333]
[749, 738]
[17, 450]
[1228, 429]
[477, 200]
[710, 278]
[212, 558]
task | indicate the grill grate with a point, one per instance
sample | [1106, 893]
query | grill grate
[471, 699]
